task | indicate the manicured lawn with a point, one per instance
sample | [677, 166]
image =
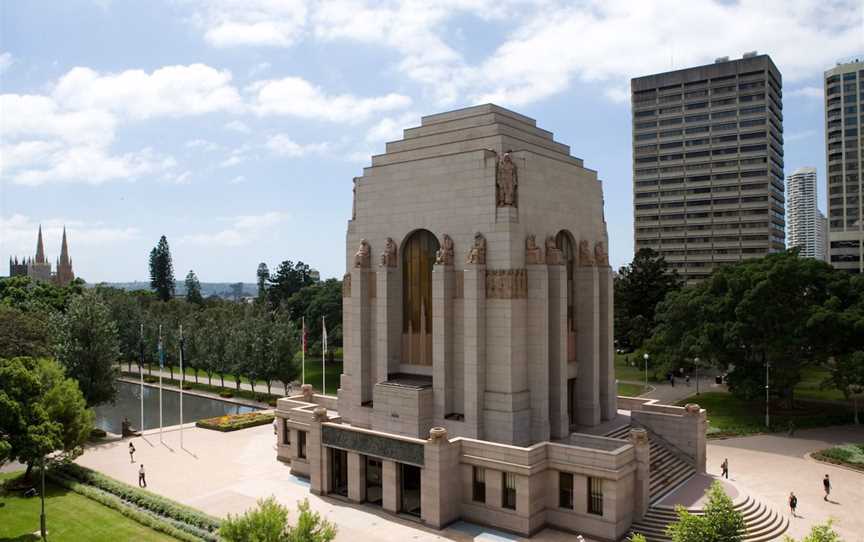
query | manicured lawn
[70, 517]
[810, 386]
[313, 375]
[624, 370]
[630, 390]
[730, 416]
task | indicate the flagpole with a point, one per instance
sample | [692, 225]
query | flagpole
[323, 355]
[141, 370]
[303, 363]
[161, 366]
[182, 380]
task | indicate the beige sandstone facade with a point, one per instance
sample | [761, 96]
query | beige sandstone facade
[478, 339]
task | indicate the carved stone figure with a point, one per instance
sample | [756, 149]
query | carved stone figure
[553, 253]
[363, 255]
[507, 284]
[506, 181]
[388, 257]
[600, 256]
[586, 256]
[533, 254]
[477, 255]
[346, 285]
[354, 200]
[444, 256]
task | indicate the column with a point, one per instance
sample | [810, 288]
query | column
[606, 349]
[442, 341]
[587, 346]
[474, 318]
[356, 477]
[361, 365]
[642, 489]
[390, 486]
[558, 415]
[389, 324]
[538, 350]
[316, 454]
[440, 485]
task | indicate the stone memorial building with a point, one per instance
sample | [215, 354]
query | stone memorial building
[477, 325]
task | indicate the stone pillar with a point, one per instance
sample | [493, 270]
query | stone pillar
[696, 425]
[316, 454]
[356, 477]
[390, 486]
[538, 350]
[389, 324]
[474, 317]
[558, 415]
[359, 355]
[442, 341]
[587, 346]
[580, 493]
[606, 349]
[308, 392]
[642, 486]
[439, 496]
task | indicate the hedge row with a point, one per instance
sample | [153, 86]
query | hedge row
[142, 498]
[235, 422]
[144, 518]
[226, 392]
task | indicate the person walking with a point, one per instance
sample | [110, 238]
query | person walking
[725, 468]
[793, 503]
[131, 453]
[826, 483]
[791, 430]
[275, 426]
[142, 481]
[687, 380]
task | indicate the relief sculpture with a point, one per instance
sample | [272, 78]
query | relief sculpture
[444, 256]
[533, 254]
[477, 254]
[507, 284]
[586, 256]
[388, 257]
[363, 255]
[506, 181]
[601, 257]
[553, 253]
[346, 285]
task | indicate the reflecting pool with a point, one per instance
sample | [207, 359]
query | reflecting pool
[110, 417]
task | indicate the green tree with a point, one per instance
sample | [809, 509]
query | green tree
[29, 295]
[263, 275]
[639, 288]
[88, 347]
[127, 312]
[847, 375]
[268, 522]
[721, 522]
[41, 411]
[289, 279]
[317, 301]
[286, 343]
[824, 532]
[162, 270]
[193, 289]
[23, 333]
[310, 526]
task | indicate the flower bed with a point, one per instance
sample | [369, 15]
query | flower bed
[234, 422]
[848, 455]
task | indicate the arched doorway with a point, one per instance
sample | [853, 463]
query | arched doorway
[418, 256]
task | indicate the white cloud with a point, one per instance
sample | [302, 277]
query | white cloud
[28, 115]
[807, 92]
[6, 62]
[390, 128]
[798, 136]
[168, 91]
[297, 97]
[239, 179]
[181, 178]
[243, 230]
[19, 233]
[283, 145]
[203, 144]
[237, 126]
[259, 68]
[232, 160]
[226, 23]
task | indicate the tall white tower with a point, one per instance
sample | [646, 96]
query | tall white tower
[804, 221]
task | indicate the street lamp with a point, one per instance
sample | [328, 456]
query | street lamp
[767, 398]
[696, 362]
[42, 494]
[646, 371]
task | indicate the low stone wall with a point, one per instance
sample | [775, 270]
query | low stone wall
[683, 428]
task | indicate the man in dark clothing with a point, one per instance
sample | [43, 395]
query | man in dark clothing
[826, 483]
[131, 453]
[142, 482]
[793, 503]
[725, 468]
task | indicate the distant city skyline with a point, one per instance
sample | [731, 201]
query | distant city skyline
[238, 131]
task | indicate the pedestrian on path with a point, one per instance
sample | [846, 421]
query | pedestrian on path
[725, 468]
[142, 481]
[791, 432]
[131, 452]
[687, 380]
[793, 503]
[275, 426]
[826, 483]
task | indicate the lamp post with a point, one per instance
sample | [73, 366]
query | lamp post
[767, 396]
[42, 530]
[646, 371]
[696, 362]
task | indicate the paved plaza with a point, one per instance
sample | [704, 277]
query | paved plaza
[223, 473]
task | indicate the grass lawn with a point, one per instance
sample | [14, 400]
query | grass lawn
[849, 455]
[809, 387]
[730, 416]
[625, 371]
[313, 375]
[70, 516]
[630, 390]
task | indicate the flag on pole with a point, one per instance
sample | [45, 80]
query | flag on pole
[161, 352]
[323, 357]
[303, 357]
[304, 334]
[141, 348]
[324, 335]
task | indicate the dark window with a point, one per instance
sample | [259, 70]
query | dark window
[508, 490]
[286, 432]
[595, 496]
[301, 444]
[478, 490]
[373, 481]
[410, 489]
[565, 490]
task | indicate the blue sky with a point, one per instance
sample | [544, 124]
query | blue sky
[234, 127]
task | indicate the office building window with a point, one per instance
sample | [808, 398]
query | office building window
[565, 490]
[595, 496]
[479, 485]
[301, 444]
[508, 490]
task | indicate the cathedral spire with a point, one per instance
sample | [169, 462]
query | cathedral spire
[64, 250]
[40, 250]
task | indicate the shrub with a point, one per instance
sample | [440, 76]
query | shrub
[226, 394]
[269, 523]
[96, 432]
[820, 533]
[851, 455]
[234, 422]
[721, 522]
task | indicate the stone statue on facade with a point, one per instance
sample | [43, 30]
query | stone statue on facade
[553, 253]
[533, 254]
[346, 285]
[586, 255]
[388, 257]
[363, 255]
[354, 200]
[601, 258]
[506, 181]
[477, 254]
[444, 255]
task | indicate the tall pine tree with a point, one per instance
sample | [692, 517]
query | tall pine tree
[162, 270]
[193, 289]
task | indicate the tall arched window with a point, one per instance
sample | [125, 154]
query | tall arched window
[568, 256]
[418, 256]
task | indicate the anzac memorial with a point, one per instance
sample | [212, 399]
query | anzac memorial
[478, 343]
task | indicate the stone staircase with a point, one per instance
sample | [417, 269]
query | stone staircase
[763, 523]
[666, 470]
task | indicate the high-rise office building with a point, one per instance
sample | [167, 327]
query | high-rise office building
[844, 121]
[708, 163]
[804, 221]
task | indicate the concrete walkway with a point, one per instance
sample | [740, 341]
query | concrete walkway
[770, 466]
